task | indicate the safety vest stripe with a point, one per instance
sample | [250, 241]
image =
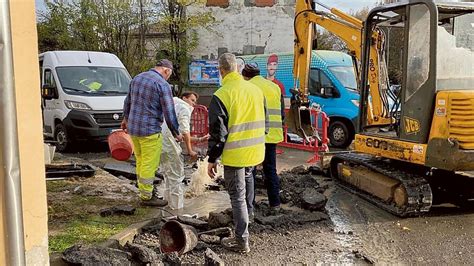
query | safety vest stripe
[275, 124]
[274, 111]
[146, 181]
[247, 126]
[244, 143]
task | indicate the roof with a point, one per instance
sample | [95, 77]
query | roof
[83, 58]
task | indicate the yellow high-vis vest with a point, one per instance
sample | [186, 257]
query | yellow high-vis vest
[244, 102]
[272, 94]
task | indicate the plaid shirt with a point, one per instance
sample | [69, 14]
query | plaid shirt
[148, 99]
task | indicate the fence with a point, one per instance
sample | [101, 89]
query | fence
[200, 127]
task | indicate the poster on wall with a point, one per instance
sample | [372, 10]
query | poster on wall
[204, 72]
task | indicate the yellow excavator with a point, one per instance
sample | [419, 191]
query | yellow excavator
[408, 152]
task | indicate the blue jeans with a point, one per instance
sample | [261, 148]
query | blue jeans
[241, 191]
[272, 181]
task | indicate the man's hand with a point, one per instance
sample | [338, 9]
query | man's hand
[179, 138]
[205, 138]
[194, 155]
[212, 170]
[123, 125]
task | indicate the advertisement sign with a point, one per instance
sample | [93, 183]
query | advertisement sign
[204, 72]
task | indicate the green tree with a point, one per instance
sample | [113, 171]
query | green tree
[54, 27]
[114, 26]
[179, 25]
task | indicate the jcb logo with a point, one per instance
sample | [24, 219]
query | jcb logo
[411, 125]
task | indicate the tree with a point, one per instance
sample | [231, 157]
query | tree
[118, 27]
[54, 28]
[174, 19]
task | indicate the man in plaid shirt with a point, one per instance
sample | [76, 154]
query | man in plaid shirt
[148, 102]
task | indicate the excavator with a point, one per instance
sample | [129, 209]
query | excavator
[417, 152]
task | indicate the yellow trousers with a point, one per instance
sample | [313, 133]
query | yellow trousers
[147, 154]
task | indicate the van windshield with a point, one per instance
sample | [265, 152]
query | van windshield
[346, 75]
[93, 81]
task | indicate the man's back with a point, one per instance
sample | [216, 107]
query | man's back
[244, 103]
[146, 111]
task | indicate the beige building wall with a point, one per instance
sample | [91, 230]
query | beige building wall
[30, 137]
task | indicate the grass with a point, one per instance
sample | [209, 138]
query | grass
[92, 229]
[74, 219]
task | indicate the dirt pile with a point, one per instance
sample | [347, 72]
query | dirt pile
[301, 189]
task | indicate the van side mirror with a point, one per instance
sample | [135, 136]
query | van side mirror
[49, 92]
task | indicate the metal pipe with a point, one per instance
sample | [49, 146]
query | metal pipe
[9, 145]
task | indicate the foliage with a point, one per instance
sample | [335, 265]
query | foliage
[122, 27]
[180, 25]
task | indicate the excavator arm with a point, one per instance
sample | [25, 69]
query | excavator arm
[349, 29]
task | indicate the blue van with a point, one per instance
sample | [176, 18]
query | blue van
[332, 84]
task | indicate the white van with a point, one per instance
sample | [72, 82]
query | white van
[82, 95]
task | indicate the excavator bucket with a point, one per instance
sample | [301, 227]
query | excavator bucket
[298, 121]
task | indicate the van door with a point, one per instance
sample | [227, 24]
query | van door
[321, 89]
[49, 105]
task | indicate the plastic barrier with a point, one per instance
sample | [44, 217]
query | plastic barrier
[199, 121]
[200, 127]
[315, 145]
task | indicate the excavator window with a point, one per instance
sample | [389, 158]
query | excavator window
[418, 49]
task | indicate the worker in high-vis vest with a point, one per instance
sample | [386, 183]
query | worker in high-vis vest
[237, 127]
[275, 110]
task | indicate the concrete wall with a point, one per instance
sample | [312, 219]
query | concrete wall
[247, 27]
[30, 137]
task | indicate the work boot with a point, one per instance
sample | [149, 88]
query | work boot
[154, 202]
[274, 210]
[251, 217]
[231, 243]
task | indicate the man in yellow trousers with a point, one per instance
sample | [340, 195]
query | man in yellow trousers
[148, 102]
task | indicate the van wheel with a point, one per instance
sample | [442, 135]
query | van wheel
[340, 135]
[60, 136]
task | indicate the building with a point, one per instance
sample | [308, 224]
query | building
[246, 27]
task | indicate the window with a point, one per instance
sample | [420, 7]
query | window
[418, 49]
[317, 81]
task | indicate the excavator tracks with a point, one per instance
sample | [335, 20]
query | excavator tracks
[419, 196]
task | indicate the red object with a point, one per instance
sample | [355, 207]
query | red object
[199, 121]
[264, 3]
[313, 145]
[120, 145]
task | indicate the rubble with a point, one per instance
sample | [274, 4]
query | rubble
[221, 232]
[118, 210]
[172, 258]
[78, 254]
[199, 224]
[212, 259]
[313, 200]
[219, 219]
[210, 239]
[201, 246]
[300, 188]
[143, 254]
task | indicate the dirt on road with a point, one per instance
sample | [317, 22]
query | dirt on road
[355, 231]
